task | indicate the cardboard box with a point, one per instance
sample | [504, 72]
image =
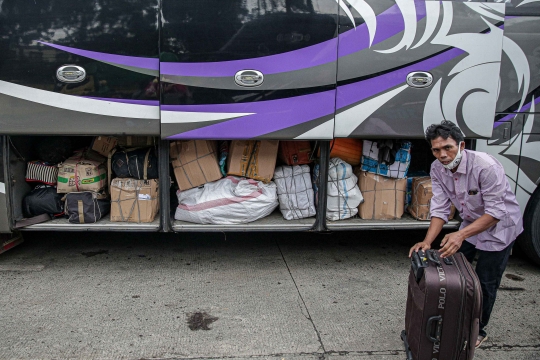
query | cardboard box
[421, 194]
[80, 174]
[384, 198]
[134, 200]
[194, 162]
[253, 159]
[104, 144]
[135, 141]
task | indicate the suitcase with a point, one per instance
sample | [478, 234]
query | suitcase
[444, 304]
[295, 152]
[348, 150]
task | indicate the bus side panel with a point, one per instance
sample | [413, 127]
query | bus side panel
[116, 45]
[207, 52]
[515, 141]
[383, 43]
[4, 221]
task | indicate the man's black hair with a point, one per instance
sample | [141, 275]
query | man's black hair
[445, 130]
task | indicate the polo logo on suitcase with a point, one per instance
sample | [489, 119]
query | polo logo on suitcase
[444, 303]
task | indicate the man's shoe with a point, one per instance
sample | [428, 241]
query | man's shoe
[480, 340]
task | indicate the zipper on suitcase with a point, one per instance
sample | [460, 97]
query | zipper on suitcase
[469, 269]
[460, 324]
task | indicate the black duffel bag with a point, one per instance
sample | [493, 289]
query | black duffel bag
[43, 200]
[86, 207]
[140, 163]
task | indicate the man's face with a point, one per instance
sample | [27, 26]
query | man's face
[445, 150]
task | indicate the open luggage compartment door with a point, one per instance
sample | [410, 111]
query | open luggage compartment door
[248, 70]
[4, 221]
[404, 65]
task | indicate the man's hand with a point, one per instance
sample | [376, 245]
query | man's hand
[419, 246]
[451, 244]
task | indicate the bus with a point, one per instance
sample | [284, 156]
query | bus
[286, 70]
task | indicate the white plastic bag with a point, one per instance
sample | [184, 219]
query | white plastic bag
[344, 196]
[232, 200]
[295, 191]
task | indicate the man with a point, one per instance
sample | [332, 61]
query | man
[476, 184]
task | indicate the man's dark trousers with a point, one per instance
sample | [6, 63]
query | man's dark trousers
[489, 268]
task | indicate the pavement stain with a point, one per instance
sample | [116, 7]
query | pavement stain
[94, 253]
[200, 320]
[514, 277]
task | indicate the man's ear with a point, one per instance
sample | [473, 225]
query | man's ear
[462, 145]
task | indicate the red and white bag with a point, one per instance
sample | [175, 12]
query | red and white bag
[39, 171]
[232, 200]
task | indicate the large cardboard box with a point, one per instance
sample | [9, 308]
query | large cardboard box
[384, 198]
[253, 159]
[134, 200]
[80, 174]
[194, 162]
[104, 144]
[421, 194]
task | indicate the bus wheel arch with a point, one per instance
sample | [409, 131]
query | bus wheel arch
[529, 240]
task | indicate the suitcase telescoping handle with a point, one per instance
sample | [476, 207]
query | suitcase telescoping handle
[438, 328]
[418, 264]
[433, 256]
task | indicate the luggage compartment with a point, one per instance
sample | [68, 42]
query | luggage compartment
[421, 160]
[275, 221]
[21, 149]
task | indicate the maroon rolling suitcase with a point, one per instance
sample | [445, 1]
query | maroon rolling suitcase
[444, 304]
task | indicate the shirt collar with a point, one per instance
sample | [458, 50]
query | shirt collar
[462, 167]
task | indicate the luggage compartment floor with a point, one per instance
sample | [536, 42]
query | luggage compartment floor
[406, 222]
[273, 222]
[105, 224]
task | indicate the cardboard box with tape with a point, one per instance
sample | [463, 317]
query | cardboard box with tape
[134, 200]
[194, 162]
[384, 197]
[80, 174]
[253, 159]
[421, 194]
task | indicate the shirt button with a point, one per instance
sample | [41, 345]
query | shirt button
[455, 179]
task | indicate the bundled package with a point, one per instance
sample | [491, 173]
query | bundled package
[295, 191]
[140, 163]
[104, 144]
[231, 200]
[294, 152]
[194, 163]
[134, 200]
[80, 174]
[421, 195]
[389, 158]
[41, 172]
[86, 207]
[343, 194]
[253, 159]
[384, 197]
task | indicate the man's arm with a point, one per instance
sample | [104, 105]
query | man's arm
[439, 208]
[452, 242]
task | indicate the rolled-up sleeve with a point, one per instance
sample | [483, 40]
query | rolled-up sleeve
[493, 188]
[440, 204]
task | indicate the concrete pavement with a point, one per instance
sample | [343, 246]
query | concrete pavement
[295, 296]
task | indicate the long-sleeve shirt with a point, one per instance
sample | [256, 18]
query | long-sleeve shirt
[479, 186]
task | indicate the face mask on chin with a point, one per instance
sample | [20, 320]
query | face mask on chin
[454, 163]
